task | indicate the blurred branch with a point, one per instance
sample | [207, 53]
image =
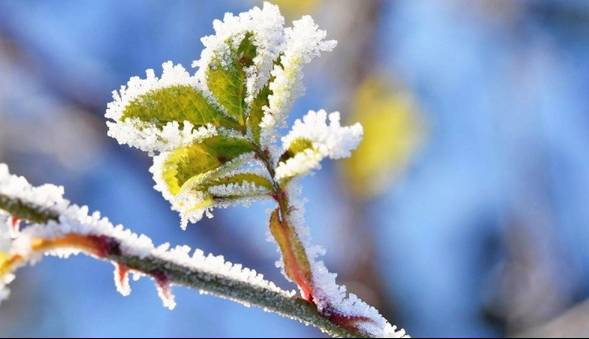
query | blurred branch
[573, 323]
[356, 22]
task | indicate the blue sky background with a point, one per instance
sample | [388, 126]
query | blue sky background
[486, 232]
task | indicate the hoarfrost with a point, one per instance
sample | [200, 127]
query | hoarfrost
[328, 140]
[304, 42]
[327, 294]
[266, 25]
[77, 220]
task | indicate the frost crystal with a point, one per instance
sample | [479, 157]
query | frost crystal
[194, 204]
[121, 275]
[304, 42]
[328, 140]
[147, 136]
[172, 75]
[327, 294]
[48, 196]
[151, 139]
[267, 27]
[77, 220]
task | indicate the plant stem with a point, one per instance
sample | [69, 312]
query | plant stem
[209, 282]
[296, 262]
[221, 286]
[22, 210]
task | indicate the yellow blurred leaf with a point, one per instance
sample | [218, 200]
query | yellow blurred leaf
[393, 131]
[4, 257]
[295, 8]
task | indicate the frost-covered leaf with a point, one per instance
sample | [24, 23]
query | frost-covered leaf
[331, 299]
[259, 27]
[313, 139]
[178, 103]
[304, 42]
[208, 174]
[296, 146]
[256, 113]
[227, 75]
[196, 161]
[258, 108]
[159, 114]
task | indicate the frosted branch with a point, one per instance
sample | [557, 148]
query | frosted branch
[68, 229]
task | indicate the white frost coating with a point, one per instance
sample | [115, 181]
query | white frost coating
[304, 42]
[303, 162]
[48, 196]
[147, 136]
[266, 25]
[327, 294]
[245, 189]
[331, 140]
[77, 220]
[172, 75]
[121, 278]
[328, 140]
[193, 205]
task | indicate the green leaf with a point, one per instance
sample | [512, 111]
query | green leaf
[176, 103]
[226, 79]
[195, 162]
[257, 112]
[257, 108]
[296, 146]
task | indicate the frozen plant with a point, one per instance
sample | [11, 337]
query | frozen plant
[213, 136]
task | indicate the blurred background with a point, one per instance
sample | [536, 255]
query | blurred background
[463, 213]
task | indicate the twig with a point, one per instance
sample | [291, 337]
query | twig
[216, 284]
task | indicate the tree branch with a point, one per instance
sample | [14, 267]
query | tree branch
[217, 284]
[26, 211]
[294, 308]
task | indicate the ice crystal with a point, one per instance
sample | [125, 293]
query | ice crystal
[304, 42]
[77, 220]
[327, 140]
[48, 196]
[193, 202]
[151, 139]
[267, 27]
[327, 294]
[121, 277]
[146, 135]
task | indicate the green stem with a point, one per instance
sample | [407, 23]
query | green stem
[23, 210]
